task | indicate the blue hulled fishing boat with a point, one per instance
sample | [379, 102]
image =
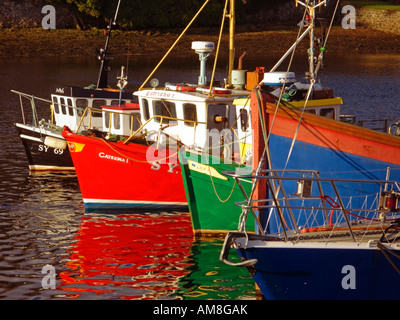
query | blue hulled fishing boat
[325, 199]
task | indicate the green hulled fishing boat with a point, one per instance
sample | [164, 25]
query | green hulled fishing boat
[211, 195]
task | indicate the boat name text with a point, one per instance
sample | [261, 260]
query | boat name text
[160, 94]
[44, 148]
[110, 157]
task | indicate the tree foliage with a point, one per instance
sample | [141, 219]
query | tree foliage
[139, 14]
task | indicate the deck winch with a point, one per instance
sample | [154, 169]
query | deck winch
[389, 201]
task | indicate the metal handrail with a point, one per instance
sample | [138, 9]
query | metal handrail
[84, 114]
[162, 118]
[32, 99]
[142, 125]
[284, 202]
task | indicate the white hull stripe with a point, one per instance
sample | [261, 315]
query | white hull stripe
[52, 168]
[40, 130]
[319, 245]
[126, 202]
[24, 136]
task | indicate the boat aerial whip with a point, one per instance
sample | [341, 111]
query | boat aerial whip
[102, 80]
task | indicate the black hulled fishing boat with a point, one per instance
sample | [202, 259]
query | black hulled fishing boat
[79, 108]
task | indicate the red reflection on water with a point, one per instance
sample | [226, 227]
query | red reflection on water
[135, 256]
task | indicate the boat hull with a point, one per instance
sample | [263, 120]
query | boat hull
[42, 157]
[322, 272]
[211, 195]
[113, 175]
[335, 150]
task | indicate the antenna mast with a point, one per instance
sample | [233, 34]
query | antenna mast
[311, 5]
[102, 80]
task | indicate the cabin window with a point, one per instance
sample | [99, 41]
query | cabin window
[116, 120]
[244, 119]
[96, 104]
[189, 113]
[81, 105]
[327, 112]
[63, 106]
[165, 109]
[107, 119]
[70, 107]
[56, 105]
[116, 102]
[145, 107]
[312, 111]
[134, 123]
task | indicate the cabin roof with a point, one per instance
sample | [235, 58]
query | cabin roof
[122, 107]
[189, 96]
[89, 92]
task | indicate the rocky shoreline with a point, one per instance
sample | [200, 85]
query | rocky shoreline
[79, 43]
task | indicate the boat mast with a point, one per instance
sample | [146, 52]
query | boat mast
[102, 80]
[231, 17]
[311, 5]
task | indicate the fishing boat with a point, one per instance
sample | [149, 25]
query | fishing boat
[297, 139]
[173, 115]
[315, 243]
[45, 148]
[325, 201]
[107, 168]
[211, 197]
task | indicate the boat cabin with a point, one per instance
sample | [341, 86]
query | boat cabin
[121, 119]
[329, 108]
[191, 117]
[196, 119]
[321, 101]
[69, 104]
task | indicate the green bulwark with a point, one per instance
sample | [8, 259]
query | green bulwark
[211, 195]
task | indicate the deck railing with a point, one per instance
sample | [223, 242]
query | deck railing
[297, 202]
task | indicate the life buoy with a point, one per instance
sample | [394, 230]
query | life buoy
[222, 91]
[206, 90]
[180, 87]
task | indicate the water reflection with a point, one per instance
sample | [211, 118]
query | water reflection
[147, 256]
[133, 255]
[37, 225]
[209, 278]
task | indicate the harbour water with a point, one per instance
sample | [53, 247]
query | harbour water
[130, 255]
